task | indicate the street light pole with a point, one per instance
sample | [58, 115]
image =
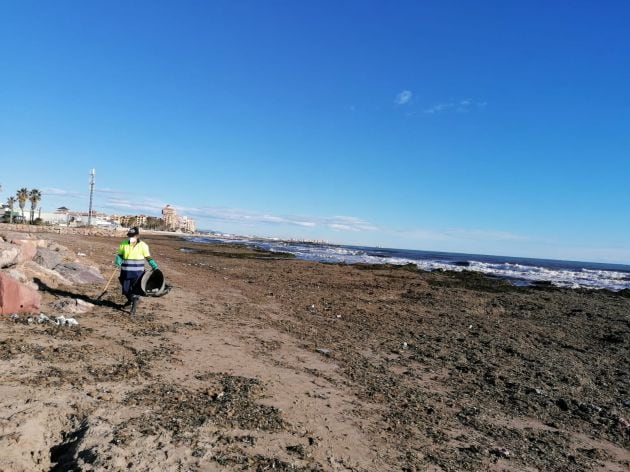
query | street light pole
[92, 177]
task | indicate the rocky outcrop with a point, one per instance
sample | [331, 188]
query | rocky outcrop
[48, 261]
[29, 263]
[80, 273]
[16, 297]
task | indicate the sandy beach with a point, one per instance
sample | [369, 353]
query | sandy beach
[258, 362]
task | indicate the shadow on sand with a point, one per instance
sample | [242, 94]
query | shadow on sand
[64, 293]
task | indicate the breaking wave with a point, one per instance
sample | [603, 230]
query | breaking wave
[566, 274]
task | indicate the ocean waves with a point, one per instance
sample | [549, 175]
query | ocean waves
[557, 273]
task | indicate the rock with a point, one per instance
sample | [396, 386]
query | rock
[626, 403]
[11, 236]
[17, 274]
[47, 276]
[9, 254]
[325, 352]
[28, 249]
[73, 305]
[16, 297]
[21, 277]
[47, 258]
[80, 273]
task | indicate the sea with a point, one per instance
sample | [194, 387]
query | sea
[518, 270]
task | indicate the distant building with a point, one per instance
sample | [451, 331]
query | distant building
[170, 217]
[187, 224]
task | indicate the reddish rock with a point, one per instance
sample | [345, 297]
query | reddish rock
[16, 297]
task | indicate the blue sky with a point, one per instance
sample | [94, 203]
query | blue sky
[490, 127]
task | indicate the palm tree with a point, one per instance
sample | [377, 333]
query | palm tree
[11, 202]
[22, 196]
[34, 197]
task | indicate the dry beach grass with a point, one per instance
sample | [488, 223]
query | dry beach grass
[254, 362]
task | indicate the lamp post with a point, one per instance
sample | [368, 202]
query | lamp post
[92, 177]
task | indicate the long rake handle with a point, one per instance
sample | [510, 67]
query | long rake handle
[108, 282]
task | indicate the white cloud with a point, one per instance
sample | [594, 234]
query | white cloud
[57, 192]
[239, 216]
[403, 97]
[461, 106]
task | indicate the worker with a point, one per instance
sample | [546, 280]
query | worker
[130, 258]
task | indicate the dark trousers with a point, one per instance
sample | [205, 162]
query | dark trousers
[130, 283]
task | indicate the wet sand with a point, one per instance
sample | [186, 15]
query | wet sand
[257, 362]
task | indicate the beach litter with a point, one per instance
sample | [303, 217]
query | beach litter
[42, 318]
[39, 320]
[63, 321]
[325, 352]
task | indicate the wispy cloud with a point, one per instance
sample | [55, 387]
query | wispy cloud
[458, 106]
[235, 215]
[57, 192]
[403, 97]
[460, 234]
[129, 203]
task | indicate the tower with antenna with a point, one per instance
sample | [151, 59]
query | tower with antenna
[92, 178]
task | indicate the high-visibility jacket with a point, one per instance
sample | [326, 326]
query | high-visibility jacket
[133, 256]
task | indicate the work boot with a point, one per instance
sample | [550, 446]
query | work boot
[134, 304]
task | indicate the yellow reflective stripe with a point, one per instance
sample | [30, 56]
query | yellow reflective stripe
[138, 251]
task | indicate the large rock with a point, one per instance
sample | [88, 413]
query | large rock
[79, 273]
[9, 254]
[40, 274]
[28, 249]
[18, 274]
[47, 258]
[16, 297]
